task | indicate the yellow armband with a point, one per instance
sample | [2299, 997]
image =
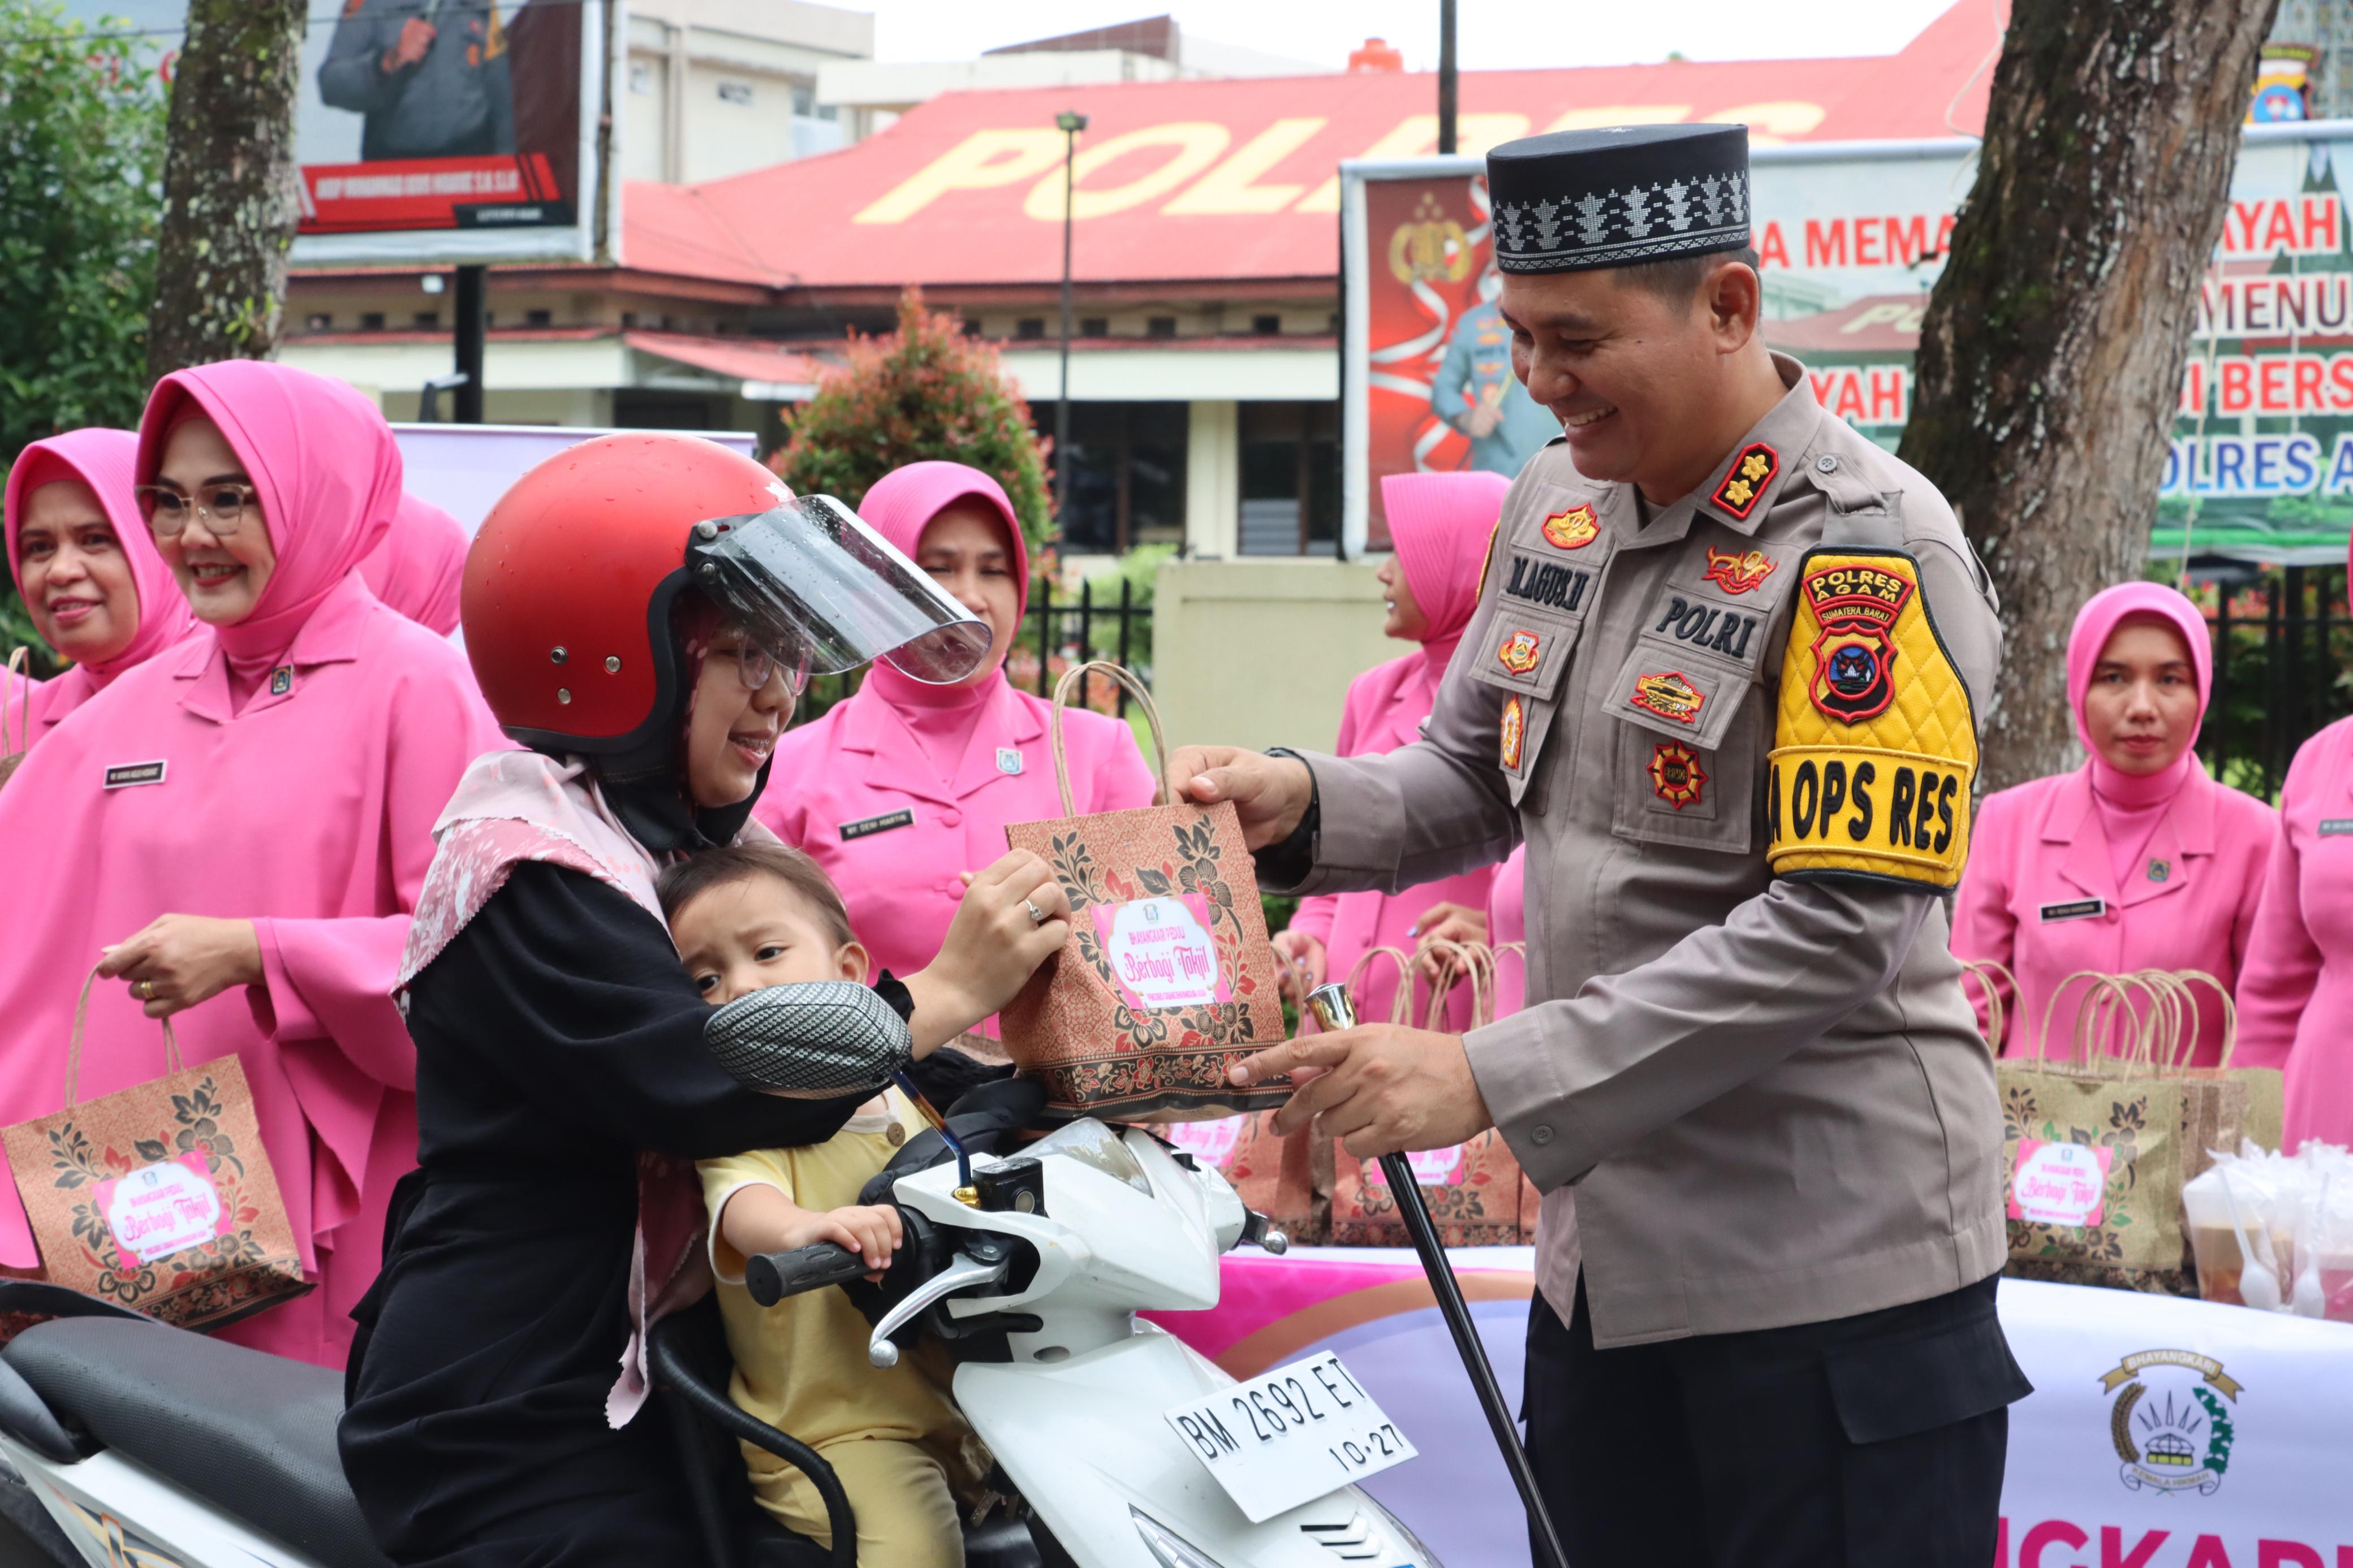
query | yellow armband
[1875, 748]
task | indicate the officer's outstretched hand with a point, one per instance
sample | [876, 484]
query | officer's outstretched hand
[1379, 1088]
[1271, 793]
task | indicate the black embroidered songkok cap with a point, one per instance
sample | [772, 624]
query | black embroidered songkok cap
[1576, 199]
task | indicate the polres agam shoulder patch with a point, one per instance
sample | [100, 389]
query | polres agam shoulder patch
[1876, 747]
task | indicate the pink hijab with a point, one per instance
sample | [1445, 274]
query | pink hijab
[898, 507]
[102, 459]
[1441, 525]
[419, 567]
[315, 450]
[2095, 623]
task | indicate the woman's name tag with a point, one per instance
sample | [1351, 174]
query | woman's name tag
[2081, 909]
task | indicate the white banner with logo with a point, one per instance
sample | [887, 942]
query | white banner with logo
[2161, 1433]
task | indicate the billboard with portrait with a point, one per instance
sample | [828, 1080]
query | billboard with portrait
[440, 131]
[1850, 240]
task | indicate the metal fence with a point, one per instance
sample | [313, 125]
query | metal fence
[1055, 635]
[2283, 647]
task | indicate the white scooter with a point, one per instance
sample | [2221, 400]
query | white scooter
[160, 1448]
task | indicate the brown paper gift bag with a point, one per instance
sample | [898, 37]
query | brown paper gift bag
[1476, 1193]
[1167, 979]
[2096, 1146]
[158, 1196]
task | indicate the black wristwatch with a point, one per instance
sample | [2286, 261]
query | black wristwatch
[1287, 864]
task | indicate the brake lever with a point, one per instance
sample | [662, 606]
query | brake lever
[962, 1274]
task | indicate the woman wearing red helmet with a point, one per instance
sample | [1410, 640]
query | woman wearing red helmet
[641, 612]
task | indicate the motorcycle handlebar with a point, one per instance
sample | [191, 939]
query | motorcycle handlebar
[770, 1276]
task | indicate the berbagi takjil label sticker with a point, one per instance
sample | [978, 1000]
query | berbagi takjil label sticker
[1160, 951]
[2060, 1183]
[163, 1208]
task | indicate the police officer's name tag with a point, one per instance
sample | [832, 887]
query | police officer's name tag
[866, 828]
[2081, 909]
[1290, 1435]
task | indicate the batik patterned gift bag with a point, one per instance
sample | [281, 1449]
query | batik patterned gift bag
[158, 1196]
[2093, 1155]
[1476, 1193]
[15, 714]
[1167, 979]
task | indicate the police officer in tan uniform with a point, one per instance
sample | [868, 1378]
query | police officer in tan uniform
[1725, 679]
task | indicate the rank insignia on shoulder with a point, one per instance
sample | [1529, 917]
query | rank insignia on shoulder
[1676, 776]
[1514, 730]
[1875, 746]
[1520, 652]
[1572, 529]
[1739, 572]
[1670, 695]
[1751, 472]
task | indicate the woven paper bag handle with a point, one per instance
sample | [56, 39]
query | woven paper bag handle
[1062, 690]
[73, 1045]
[1472, 959]
[1401, 1000]
[2099, 999]
[2186, 979]
[1983, 970]
[10, 702]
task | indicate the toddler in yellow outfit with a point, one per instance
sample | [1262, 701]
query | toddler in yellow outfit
[758, 915]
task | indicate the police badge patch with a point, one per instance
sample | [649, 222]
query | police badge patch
[1854, 655]
[1514, 730]
[1739, 573]
[1572, 529]
[1676, 776]
[1520, 652]
[1670, 695]
[1751, 472]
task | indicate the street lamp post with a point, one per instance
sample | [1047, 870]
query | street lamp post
[1069, 124]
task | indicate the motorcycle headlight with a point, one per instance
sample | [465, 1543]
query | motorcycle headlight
[1172, 1550]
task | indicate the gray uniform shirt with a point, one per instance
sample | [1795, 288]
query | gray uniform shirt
[455, 101]
[1749, 1101]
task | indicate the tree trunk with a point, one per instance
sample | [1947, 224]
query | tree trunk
[2052, 351]
[231, 197]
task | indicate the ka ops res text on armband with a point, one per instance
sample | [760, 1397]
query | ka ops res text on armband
[1876, 745]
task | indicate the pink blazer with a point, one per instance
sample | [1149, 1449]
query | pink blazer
[1507, 921]
[2295, 992]
[1386, 708]
[853, 789]
[2040, 897]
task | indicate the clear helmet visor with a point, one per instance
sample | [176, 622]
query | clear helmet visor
[822, 592]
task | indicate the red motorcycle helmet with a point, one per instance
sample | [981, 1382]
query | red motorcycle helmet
[570, 583]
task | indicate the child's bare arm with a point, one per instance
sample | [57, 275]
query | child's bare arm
[760, 1219]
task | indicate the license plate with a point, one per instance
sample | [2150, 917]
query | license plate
[1290, 1436]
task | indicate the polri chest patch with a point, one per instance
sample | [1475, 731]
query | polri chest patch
[867, 827]
[1700, 625]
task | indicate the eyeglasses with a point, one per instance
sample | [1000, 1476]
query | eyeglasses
[168, 509]
[756, 665]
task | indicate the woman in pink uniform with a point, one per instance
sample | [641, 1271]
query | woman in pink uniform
[90, 576]
[2136, 859]
[2295, 992]
[238, 827]
[1441, 525]
[903, 788]
[419, 567]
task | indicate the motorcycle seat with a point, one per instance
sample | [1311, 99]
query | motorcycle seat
[252, 1433]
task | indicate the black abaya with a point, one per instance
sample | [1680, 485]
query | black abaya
[556, 1037]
